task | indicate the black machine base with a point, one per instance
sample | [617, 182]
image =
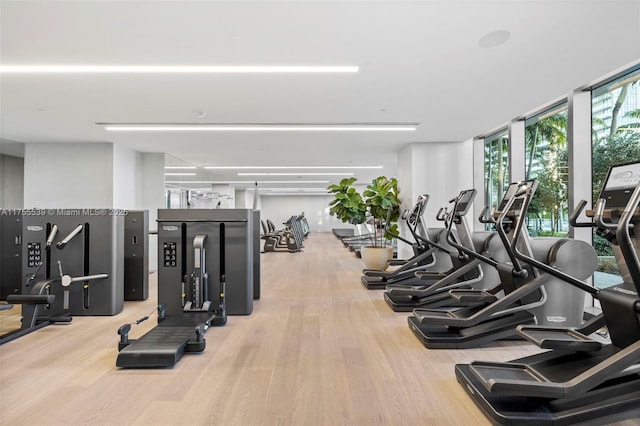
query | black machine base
[377, 283]
[613, 401]
[160, 347]
[434, 301]
[164, 345]
[442, 337]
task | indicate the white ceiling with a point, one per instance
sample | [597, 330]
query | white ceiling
[419, 62]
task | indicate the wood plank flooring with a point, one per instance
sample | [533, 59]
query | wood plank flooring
[319, 349]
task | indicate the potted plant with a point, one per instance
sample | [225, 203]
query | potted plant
[378, 204]
[383, 208]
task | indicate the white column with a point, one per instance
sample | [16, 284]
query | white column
[579, 146]
[126, 177]
[245, 199]
[152, 196]
[478, 182]
[517, 145]
[407, 197]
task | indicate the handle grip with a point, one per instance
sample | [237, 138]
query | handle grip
[573, 219]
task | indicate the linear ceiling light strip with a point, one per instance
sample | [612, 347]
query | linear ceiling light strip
[247, 182]
[288, 167]
[296, 174]
[173, 69]
[274, 128]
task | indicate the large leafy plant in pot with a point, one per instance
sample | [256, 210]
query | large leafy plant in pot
[378, 203]
[383, 210]
[383, 207]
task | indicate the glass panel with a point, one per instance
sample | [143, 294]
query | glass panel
[615, 111]
[546, 159]
[496, 167]
[189, 186]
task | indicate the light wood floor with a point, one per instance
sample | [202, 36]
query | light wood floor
[319, 349]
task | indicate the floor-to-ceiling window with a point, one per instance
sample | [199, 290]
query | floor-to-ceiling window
[496, 167]
[615, 110]
[546, 159]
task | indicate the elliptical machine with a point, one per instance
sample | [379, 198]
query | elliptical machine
[581, 378]
[524, 299]
[423, 248]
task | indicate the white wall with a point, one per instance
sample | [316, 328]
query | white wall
[126, 177]
[279, 208]
[96, 175]
[11, 182]
[441, 170]
[68, 175]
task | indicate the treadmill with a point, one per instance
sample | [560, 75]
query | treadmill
[581, 378]
[525, 296]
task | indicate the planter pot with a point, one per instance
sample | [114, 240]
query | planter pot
[376, 257]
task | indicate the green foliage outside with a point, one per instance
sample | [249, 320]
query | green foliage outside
[547, 161]
[496, 168]
[613, 143]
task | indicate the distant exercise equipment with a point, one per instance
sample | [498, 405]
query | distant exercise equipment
[287, 240]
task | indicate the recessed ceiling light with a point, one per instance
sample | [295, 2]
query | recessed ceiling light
[295, 174]
[179, 174]
[288, 167]
[494, 38]
[180, 167]
[171, 69]
[363, 127]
